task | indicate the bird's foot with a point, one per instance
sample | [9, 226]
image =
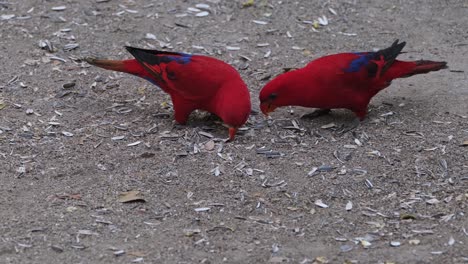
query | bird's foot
[349, 127]
[211, 117]
[316, 113]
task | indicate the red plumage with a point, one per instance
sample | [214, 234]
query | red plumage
[192, 81]
[345, 80]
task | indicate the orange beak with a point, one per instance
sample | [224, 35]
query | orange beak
[232, 133]
[267, 108]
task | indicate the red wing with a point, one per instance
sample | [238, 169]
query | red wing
[375, 63]
[183, 73]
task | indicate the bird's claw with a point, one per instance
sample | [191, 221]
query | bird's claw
[316, 113]
[350, 127]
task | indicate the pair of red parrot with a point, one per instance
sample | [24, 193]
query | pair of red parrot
[344, 80]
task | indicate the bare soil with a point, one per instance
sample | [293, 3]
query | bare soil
[65, 157]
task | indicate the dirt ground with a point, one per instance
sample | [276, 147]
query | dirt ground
[74, 138]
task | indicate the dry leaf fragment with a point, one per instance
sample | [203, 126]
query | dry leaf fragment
[7, 17]
[315, 24]
[432, 201]
[330, 125]
[321, 259]
[130, 196]
[209, 145]
[191, 232]
[321, 204]
[323, 20]
[119, 252]
[346, 248]
[193, 9]
[260, 22]
[278, 259]
[312, 171]
[137, 253]
[358, 142]
[232, 48]
[407, 216]
[71, 209]
[87, 232]
[150, 36]
[248, 3]
[59, 8]
[134, 143]
[447, 218]
[202, 14]
[202, 6]
[146, 155]
[365, 243]
[67, 134]
[202, 209]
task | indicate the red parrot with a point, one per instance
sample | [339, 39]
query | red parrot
[345, 80]
[192, 81]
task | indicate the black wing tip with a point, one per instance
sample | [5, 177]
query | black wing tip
[130, 48]
[133, 50]
[142, 55]
[398, 46]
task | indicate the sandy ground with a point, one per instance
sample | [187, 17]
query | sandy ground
[392, 191]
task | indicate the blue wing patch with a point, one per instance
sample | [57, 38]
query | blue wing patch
[183, 58]
[155, 57]
[359, 62]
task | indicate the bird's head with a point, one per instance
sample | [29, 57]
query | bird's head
[272, 96]
[233, 106]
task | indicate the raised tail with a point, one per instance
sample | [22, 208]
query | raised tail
[403, 69]
[425, 66]
[128, 66]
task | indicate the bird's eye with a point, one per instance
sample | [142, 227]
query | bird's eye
[272, 96]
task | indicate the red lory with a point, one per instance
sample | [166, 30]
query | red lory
[345, 80]
[192, 81]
